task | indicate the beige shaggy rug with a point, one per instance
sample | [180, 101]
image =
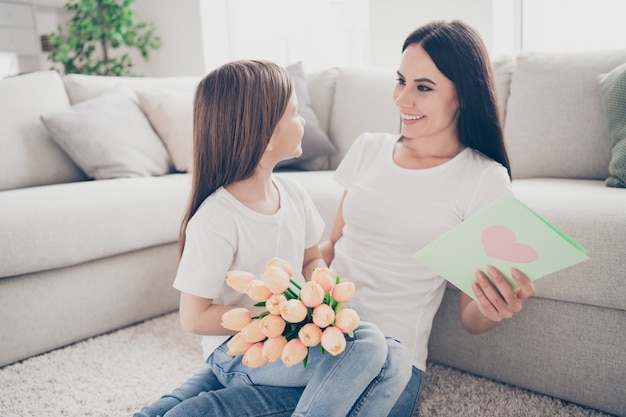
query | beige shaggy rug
[115, 374]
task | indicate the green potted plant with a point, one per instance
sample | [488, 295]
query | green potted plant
[99, 37]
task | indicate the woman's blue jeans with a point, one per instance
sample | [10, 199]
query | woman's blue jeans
[228, 388]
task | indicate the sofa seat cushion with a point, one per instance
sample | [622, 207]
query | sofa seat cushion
[60, 225]
[594, 216]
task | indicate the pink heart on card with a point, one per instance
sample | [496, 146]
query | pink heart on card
[499, 242]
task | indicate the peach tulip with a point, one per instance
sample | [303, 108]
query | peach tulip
[323, 277]
[280, 263]
[236, 319]
[273, 348]
[294, 352]
[252, 332]
[347, 320]
[238, 280]
[272, 326]
[323, 315]
[333, 341]
[237, 345]
[310, 334]
[343, 291]
[276, 279]
[258, 290]
[293, 311]
[274, 302]
[312, 294]
[253, 358]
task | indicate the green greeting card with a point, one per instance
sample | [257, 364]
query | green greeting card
[506, 234]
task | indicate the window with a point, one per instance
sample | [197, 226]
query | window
[558, 25]
[573, 25]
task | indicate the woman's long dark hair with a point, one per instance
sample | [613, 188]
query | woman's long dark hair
[236, 109]
[459, 53]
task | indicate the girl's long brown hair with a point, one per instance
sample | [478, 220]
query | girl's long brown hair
[236, 109]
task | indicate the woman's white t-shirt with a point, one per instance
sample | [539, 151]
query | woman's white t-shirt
[391, 213]
[226, 235]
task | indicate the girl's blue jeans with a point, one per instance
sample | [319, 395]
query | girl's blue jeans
[365, 380]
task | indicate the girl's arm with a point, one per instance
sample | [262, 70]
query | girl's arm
[200, 316]
[312, 259]
[328, 247]
[496, 302]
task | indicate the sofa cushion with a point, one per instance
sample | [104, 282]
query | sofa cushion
[28, 156]
[61, 225]
[82, 87]
[613, 96]
[316, 145]
[357, 109]
[109, 137]
[322, 86]
[554, 123]
[592, 215]
[502, 72]
[171, 115]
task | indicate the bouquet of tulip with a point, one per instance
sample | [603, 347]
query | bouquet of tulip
[297, 317]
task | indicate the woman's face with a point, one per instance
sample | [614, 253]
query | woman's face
[425, 97]
[287, 137]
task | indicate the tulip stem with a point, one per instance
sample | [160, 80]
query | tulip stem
[290, 294]
[295, 284]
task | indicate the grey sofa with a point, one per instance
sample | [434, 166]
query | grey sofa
[81, 257]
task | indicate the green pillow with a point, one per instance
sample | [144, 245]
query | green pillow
[613, 97]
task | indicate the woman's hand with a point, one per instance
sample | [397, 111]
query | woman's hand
[495, 300]
[501, 302]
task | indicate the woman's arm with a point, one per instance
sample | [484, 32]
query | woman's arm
[496, 302]
[328, 246]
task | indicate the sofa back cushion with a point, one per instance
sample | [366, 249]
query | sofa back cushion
[363, 103]
[28, 155]
[83, 87]
[502, 72]
[554, 122]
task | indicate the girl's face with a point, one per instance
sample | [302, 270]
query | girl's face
[287, 137]
[425, 97]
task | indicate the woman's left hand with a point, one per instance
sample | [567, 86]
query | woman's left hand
[497, 300]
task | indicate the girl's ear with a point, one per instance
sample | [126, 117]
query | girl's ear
[270, 144]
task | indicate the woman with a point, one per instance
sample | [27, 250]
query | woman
[448, 163]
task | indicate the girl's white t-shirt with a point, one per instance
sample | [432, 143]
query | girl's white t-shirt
[391, 213]
[225, 235]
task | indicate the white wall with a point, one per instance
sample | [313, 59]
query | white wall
[183, 24]
[179, 25]
[392, 20]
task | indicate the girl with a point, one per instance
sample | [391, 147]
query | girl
[240, 215]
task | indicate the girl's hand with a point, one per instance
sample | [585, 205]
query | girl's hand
[496, 299]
